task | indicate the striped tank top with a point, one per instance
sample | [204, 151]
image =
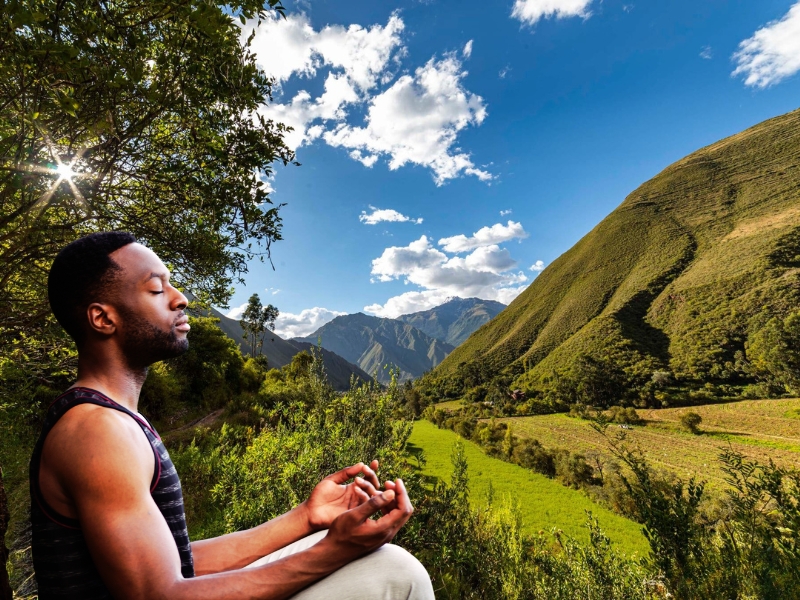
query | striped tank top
[61, 558]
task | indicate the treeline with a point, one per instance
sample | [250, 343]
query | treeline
[766, 364]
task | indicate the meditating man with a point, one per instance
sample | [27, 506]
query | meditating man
[107, 508]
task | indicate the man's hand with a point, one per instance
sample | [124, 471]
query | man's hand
[333, 495]
[356, 534]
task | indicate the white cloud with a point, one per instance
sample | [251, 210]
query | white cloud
[706, 53]
[407, 303]
[772, 53]
[305, 323]
[486, 236]
[417, 120]
[467, 51]
[236, 312]
[504, 213]
[484, 273]
[358, 57]
[289, 46]
[379, 215]
[538, 266]
[504, 72]
[531, 11]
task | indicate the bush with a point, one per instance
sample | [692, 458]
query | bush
[624, 416]
[532, 455]
[691, 422]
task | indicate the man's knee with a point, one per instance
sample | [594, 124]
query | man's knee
[400, 573]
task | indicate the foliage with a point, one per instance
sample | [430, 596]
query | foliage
[285, 461]
[749, 549]
[153, 107]
[208, 376]
[691, 422]
[774, 352]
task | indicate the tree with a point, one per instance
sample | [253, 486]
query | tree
[256, 320]
[598, 381]
[140, 116]
[774, 352]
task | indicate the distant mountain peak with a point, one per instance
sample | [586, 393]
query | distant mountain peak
[456, 319]
[374, 342]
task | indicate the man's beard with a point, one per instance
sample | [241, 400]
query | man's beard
[146, 344]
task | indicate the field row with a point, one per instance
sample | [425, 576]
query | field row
[761, 430]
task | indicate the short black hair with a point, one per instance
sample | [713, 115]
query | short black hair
[80, 275]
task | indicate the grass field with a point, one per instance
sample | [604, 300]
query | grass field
[544, 503]
[759, 429]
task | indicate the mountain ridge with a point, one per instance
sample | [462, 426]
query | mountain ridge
[675, 279]
[373, 342]
[455, 320]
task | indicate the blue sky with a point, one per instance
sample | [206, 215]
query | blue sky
[495, 135]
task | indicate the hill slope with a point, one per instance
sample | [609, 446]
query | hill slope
[676, 278]
[372, 342]
[455, 320]
[279, 352]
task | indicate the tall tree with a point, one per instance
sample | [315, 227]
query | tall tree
[140, 116]
[256, 320]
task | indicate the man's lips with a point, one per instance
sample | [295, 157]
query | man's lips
[182, 324]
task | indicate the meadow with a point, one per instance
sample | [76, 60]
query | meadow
[761, 430]
[543, 503]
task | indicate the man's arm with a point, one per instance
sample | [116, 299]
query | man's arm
[331, 497]
[107, 477]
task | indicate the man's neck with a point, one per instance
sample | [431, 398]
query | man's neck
[106, 371]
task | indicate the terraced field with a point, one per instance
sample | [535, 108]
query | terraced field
[759, 429]
[543, 503]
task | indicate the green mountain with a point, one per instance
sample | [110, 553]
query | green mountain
[682, 277]
[455, 320]
[279, 352]
[372, 343]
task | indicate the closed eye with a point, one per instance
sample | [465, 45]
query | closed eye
[161, 292]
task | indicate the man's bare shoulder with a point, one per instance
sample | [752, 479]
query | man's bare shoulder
[91, 440]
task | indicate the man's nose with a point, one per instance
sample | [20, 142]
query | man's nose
[180, 301]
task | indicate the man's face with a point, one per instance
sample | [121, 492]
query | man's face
[152, 326]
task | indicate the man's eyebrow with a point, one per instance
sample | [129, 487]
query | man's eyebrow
[155, 275]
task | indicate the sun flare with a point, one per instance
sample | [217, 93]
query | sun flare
[65, 172]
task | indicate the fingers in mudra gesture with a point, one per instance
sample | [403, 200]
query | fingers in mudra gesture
[333, 495]
[358, 534]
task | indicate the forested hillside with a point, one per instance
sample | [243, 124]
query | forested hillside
[689, 283]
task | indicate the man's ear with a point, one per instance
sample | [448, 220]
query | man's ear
[102, 318]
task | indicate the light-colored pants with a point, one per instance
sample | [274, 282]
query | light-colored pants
[388, 573]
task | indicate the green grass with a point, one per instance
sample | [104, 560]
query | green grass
[543, 503]
[451, 405]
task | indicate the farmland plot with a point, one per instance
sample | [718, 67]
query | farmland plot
[759, 429]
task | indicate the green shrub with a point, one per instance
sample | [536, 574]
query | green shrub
[691, 422]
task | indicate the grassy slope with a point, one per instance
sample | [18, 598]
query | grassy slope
[760, 429]
[544, 503]
[671, 277]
